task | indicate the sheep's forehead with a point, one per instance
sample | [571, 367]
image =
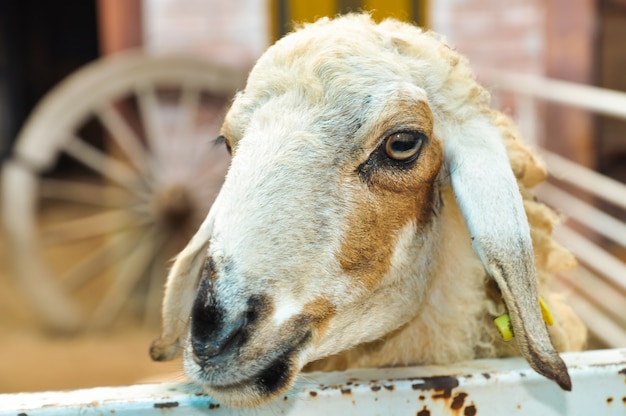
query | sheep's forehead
[300, 130]
[339, 110]
[335, 69]
[294, 132]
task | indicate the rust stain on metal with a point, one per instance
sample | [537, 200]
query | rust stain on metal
[622, 371]
[470, 411]
[165, 405]
[487, 375]
[346, 391]
[609, 400]
[624, 399]
[424, 412]
[324, 387]
[313, 393]
[375, 388]
[442, 384]
[389, 387]
[213, 406]
[458, 401]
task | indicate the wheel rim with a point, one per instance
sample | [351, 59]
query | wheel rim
[92, 241]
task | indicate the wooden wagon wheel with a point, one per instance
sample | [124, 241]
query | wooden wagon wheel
[109, 177]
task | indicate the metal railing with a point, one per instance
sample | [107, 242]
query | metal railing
[482, 387]
[597, 288]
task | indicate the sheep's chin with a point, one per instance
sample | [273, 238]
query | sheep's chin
[272, 381]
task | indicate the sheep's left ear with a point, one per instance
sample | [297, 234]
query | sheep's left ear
[491, 204]
[180, 292]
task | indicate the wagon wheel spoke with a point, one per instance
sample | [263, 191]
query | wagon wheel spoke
[126, 139]
[216, 167]
[202, 144]
[96, 225]
[131, 270]
[85, 193]
[90, 266]
[199, 167]
[184, 132]
[150, 115]
[188, 111]
[157, 274]
[108, 167]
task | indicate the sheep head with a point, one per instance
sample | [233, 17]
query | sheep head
[325, 233]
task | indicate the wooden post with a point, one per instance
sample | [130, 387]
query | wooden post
[120, 25]
[570, 38]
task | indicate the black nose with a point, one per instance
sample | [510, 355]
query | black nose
[213, 332]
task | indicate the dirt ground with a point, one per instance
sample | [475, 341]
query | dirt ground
[31, 360]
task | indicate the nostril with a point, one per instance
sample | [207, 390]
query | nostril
[229, 337]
[211, 338]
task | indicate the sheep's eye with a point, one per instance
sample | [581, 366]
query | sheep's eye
[404, 146]
[222, 139]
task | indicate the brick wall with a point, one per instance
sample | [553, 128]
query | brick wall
[232, 32]
[492, 33]
[505, 35]
[553, 38]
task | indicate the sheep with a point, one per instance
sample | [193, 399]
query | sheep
[376, 213]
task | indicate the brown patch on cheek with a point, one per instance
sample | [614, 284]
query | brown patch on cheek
[391, 199]
[315, 316]
[312, 323]
[319, 312]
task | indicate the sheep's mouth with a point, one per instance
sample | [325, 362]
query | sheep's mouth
[268, 382]
[248, 383]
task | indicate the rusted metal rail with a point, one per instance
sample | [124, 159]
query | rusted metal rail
[482, 387]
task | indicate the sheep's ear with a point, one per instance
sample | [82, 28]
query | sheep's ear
[491, 204]
[180, 292]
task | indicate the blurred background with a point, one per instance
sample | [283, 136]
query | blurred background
[108, 109]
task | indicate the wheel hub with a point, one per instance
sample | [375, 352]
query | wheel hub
[174, 206]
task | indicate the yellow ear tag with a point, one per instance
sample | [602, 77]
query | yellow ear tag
[503, 322]
[545, 312]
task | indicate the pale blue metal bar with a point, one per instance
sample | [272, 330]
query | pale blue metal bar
[482, 387]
